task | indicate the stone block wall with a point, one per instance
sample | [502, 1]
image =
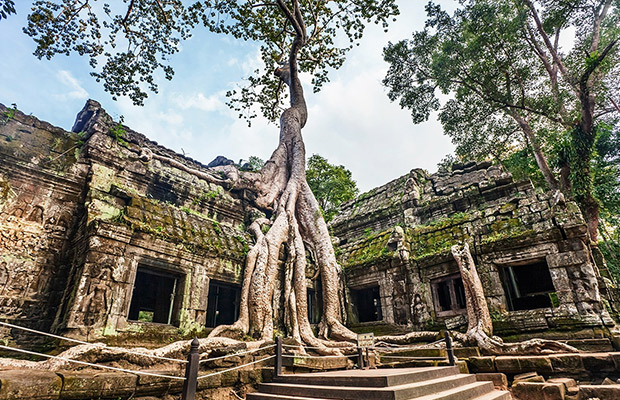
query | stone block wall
[42, 172]
[398, 237]
[80, 212]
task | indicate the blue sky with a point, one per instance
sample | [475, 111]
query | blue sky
[351, 121]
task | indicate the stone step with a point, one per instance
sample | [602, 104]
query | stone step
[460, 352]
[271, 396]
[496, 395]
[472, 391]
[422, 352]
[370, 378]
[406, 391]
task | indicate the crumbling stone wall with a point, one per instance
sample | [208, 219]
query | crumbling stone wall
[398, 237]
[41, 190]
[80, 212]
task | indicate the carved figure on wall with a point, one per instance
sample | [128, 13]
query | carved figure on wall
[36, 215]
[4, 276]
[420, 315]
[95, 303]
[400, 303]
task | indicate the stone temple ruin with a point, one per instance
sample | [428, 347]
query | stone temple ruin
[97, 242]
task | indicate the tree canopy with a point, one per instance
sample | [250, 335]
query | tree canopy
[515, 84]
[130, 43]
[331, 184]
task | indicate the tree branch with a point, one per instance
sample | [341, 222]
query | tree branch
[547, 41]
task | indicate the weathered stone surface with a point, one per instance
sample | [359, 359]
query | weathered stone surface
[80, 385]
[567, 382]
[602, 392]
[317, 363]
[482, 364]
[553, 391]
[528, 390]
[540, 364]
[499, 380]
[83, 208]
[511, 225]
[154, 385]
[600, 362]
[567, 363]
[466, 352]
[508, 364]
[21, 385]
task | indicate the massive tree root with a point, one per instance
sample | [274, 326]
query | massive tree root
[131, 358]
[480, 325]
[295, 228]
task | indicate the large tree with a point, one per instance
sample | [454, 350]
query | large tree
[514, 82]
[294, 36]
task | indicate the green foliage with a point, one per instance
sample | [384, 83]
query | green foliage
[7, 7]
[253, 164]
[332, 185]
[513, 92]
[119, 133]
[9, 114]
[216, 227]
[606, 167]
[210, 195]
[135, 40]
[522, 165]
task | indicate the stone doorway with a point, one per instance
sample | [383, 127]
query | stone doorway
[223, 304]
[368, 304]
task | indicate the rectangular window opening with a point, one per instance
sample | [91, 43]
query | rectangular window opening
[527, 287]
[368, 304]
[222, 304]
[449, 295]
[154, 295]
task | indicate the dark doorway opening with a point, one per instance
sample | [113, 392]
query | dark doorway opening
[153, 296]
[449, 295]
[315, 305]
[527, 287]
[368, 304]
[223, 304]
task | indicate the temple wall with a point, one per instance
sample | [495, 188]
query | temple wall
[81, 214]
[531, 249]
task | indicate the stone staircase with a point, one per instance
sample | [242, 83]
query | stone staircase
[431, 383]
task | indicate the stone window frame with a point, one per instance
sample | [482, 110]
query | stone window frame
[158, 265]
[436, 304]
[501, 266]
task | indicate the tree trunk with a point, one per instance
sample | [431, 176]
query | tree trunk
[583, 137]
[539, 156]
[297, 224]
[480, 325]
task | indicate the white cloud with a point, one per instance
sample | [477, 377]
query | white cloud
[199, 101]
[76, 90]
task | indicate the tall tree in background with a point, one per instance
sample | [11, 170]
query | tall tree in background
[294, 36]
[331, 184]
[514, 85]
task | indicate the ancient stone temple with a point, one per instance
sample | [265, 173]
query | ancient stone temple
[104, 232]
[531, 249]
